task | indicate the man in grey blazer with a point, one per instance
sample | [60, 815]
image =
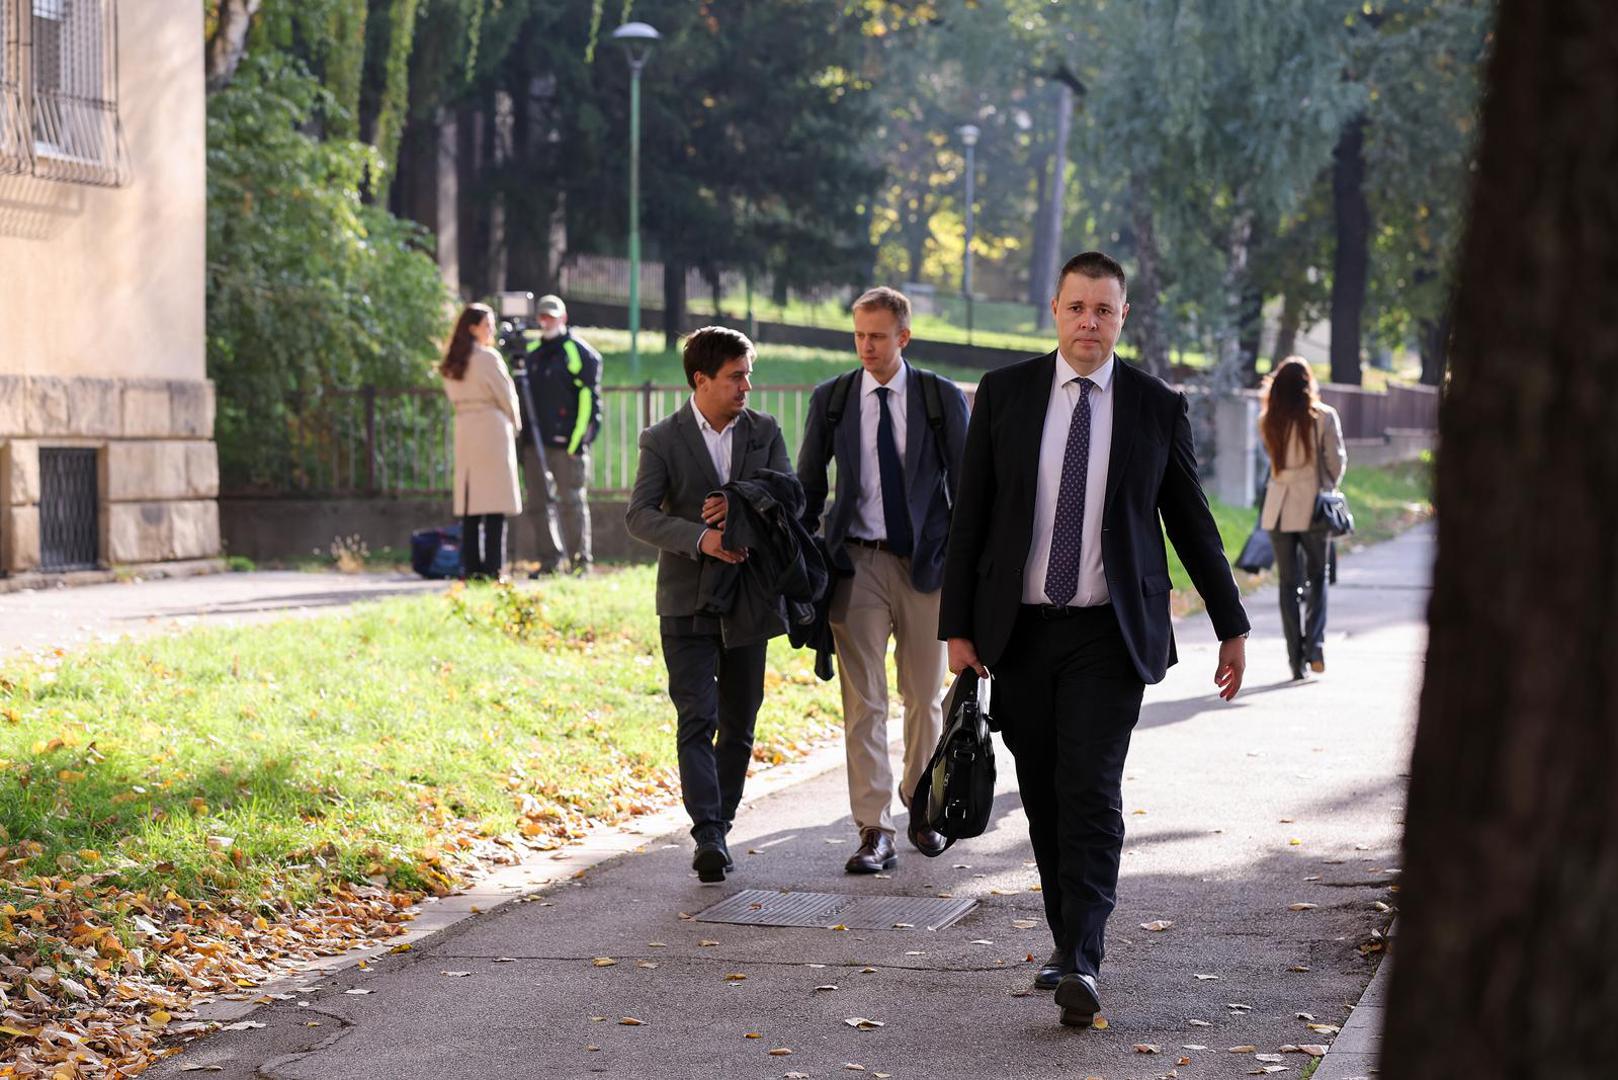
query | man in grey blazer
[896, 433]
[684, 458]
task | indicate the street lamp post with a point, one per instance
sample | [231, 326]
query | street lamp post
[637, 38]
[969, 138]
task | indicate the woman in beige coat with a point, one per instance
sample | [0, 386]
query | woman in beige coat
[1304, 439]
[486, 425]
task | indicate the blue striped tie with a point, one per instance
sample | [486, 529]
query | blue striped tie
[1067, 532]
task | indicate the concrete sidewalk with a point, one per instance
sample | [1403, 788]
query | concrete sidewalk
[1236, 813]
[42, 620]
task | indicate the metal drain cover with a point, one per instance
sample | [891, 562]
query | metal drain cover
[762, 907]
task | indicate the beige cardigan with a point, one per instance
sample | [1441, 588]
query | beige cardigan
[1289, 502]
[486, 426]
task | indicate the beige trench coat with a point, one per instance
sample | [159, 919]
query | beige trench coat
[1289, 503]
[486, 426]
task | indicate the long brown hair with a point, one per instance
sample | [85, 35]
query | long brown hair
[1290, 404]
[459, 353]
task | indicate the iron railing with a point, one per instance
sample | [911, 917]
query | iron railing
[74, 130]
[15, 155]
[400, 442]
[69, 509]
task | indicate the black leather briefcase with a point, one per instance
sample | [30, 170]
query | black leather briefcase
[955, 796]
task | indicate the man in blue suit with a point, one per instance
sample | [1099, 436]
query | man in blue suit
[896, 433]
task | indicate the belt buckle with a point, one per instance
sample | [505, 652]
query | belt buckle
[1054, 611]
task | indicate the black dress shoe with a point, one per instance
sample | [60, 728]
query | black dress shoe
[876, 853]
[1052, 971]
[928, 842]
[1077, 997]
[712, 860]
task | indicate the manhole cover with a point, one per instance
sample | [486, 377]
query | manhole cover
[761, 907]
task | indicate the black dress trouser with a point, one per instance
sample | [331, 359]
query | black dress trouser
[483, 545]
[716, 693]
[1300, 572]
[1067, 696]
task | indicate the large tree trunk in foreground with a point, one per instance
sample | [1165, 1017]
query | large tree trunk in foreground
[1509, 934]
[1351, 265]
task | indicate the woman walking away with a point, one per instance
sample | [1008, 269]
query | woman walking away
[486, 425]
[1304, 439]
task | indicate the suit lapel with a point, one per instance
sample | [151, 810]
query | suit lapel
[686, 423]
[1125, 422]
[741, 430]
[1036, 401]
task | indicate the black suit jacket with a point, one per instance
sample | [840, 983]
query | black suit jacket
[1151, 478]
[924, 486]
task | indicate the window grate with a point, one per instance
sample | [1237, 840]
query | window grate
[73, 99]
[69, 509]
[15, 151]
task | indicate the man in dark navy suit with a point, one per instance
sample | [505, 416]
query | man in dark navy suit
[1057, 581]
[895, 432]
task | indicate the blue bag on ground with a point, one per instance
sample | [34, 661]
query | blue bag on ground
[436, 553]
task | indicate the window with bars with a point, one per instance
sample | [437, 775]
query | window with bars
[14, 155]
[64, 62]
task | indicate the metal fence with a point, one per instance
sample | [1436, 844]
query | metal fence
[400, 442]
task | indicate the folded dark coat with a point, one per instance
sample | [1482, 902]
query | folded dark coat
[784, 572]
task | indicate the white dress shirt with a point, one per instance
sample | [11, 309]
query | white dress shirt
[869, 521]
[1092, 583]
[718, 441]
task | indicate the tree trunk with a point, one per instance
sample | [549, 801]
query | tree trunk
[1286, 331]
[1250, 331]
[1435, 348]
[447, 219]
[1230, 370]
[1352, 262]
[1145, 308]
[673, 303]
[1037, 285]
[1508, 934]
[1056, 212]
[229, 42]
[916, 231]
[499, 234]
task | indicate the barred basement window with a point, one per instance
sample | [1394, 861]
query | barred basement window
[73, 69]
[14, 149]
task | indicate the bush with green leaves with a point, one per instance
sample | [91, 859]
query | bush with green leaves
[309, 287]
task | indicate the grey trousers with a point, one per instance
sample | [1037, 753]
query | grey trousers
[877, 603]
[557, 524]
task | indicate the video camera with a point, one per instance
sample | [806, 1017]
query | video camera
[516, 313]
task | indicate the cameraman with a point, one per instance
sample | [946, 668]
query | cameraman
[564, 375]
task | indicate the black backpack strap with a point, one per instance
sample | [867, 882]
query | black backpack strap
[836, 403]
[932, 395]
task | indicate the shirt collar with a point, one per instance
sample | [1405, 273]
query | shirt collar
[868, 383]
[702, 421]
[1101, 376]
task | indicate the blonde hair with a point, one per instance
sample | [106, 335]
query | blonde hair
[883, 298]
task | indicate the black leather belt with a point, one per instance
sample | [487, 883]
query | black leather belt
[875, 545]
[1053, 611]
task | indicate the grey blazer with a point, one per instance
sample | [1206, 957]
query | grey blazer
[924, 486]
[675, 476]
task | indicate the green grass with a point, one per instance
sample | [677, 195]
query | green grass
[777, 365]
[1309, 1069]
[234, 762]
[1385, 500]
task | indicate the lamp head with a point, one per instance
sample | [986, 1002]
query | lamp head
[637, 38]
[968, 133]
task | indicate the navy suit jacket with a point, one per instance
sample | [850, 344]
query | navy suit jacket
[924, 485]
[1152, 488]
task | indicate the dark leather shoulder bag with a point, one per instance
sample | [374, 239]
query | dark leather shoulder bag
[955, 796]
[1331, 505]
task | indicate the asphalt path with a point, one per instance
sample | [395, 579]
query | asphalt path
[1236, 813]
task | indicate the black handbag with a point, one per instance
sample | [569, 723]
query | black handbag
[1331, 505]
[1258, 553]
[955, 795]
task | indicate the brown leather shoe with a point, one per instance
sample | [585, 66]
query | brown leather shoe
[876, 853]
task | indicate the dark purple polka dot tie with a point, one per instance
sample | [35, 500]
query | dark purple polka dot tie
[1067, 532]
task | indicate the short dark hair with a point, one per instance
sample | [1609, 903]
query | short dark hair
[1093, 264]
[711, 348]
[883, 298]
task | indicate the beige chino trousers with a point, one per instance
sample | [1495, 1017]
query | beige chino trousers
[879, 602]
